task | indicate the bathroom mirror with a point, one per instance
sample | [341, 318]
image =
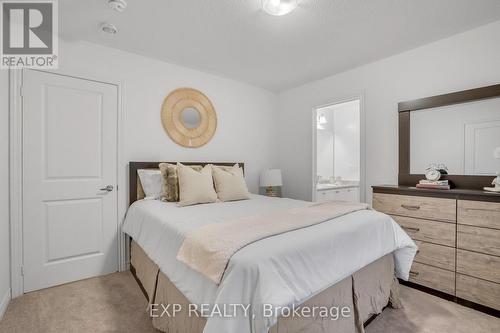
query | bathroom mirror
[337, 164]
[191, 117]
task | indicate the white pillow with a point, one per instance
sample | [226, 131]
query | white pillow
[151, 182]
[195, 187]
[230, 184]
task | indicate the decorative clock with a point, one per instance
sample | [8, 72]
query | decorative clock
[435, 171]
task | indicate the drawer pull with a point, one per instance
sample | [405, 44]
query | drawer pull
[482, 210]
[414, 274]
[410, 207]
[411, 229]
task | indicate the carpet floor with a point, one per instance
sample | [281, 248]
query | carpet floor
[114, 303]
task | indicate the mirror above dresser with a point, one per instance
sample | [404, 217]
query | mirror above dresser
[460, 130]
[457, 230]
[464, 137]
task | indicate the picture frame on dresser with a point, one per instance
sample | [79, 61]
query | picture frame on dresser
[457, 230]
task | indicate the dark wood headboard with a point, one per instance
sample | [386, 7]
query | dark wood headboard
[134, 166]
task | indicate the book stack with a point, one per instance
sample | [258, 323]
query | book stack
[434, 184]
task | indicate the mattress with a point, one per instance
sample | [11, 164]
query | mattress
[281, 270]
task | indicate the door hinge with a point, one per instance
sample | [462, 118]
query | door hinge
[21, 91]
[22, 270]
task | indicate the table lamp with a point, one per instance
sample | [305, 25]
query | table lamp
[269, 179]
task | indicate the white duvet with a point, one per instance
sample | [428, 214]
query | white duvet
[281, 270]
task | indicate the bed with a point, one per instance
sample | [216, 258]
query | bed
[351, 262]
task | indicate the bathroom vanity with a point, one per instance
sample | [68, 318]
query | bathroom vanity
[329, 192]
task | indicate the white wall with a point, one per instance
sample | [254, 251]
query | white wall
[4, 193]
[246, 129]
[464, 61]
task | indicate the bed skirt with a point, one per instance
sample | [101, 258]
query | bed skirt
[366, 292]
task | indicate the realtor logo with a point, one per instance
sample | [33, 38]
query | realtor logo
[29, 34]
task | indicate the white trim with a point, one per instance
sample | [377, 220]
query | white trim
[15, 173]
[15, 185]
[4, 303]
[362, 142]
[122, 186]
[314, 171]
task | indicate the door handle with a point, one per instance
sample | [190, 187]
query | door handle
[108, 188]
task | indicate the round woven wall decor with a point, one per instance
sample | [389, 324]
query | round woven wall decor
[190, 135]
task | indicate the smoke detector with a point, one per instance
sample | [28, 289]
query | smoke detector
[109, 28]
[118, 5]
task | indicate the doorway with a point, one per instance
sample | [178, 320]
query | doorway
[338, 163]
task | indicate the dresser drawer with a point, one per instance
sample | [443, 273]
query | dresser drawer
[477, 239]
[414, 206]
[479, 213]
[433, 277]
[428, 231]
[478, 291]
[479, 265]
[436, 255]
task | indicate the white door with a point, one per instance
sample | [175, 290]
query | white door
[69, 157]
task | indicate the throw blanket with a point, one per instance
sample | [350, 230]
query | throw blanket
[208, 249]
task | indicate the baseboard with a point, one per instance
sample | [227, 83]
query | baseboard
[4, 303]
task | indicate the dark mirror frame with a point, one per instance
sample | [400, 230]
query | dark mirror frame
[404, 109]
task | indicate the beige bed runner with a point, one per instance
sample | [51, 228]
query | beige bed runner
[209, 248]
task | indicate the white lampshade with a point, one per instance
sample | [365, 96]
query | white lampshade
[271, 177]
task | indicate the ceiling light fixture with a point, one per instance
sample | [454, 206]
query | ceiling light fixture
[279, 7]
[109, 28]
[118, 5]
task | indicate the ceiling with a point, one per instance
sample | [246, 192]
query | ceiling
[235, 39]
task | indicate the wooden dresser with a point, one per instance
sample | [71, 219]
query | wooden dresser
[458, 235]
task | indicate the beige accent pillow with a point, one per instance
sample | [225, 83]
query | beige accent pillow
[230, 184]
[170, 181]
[195, 187]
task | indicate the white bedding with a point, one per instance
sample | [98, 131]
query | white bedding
[281, 270]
